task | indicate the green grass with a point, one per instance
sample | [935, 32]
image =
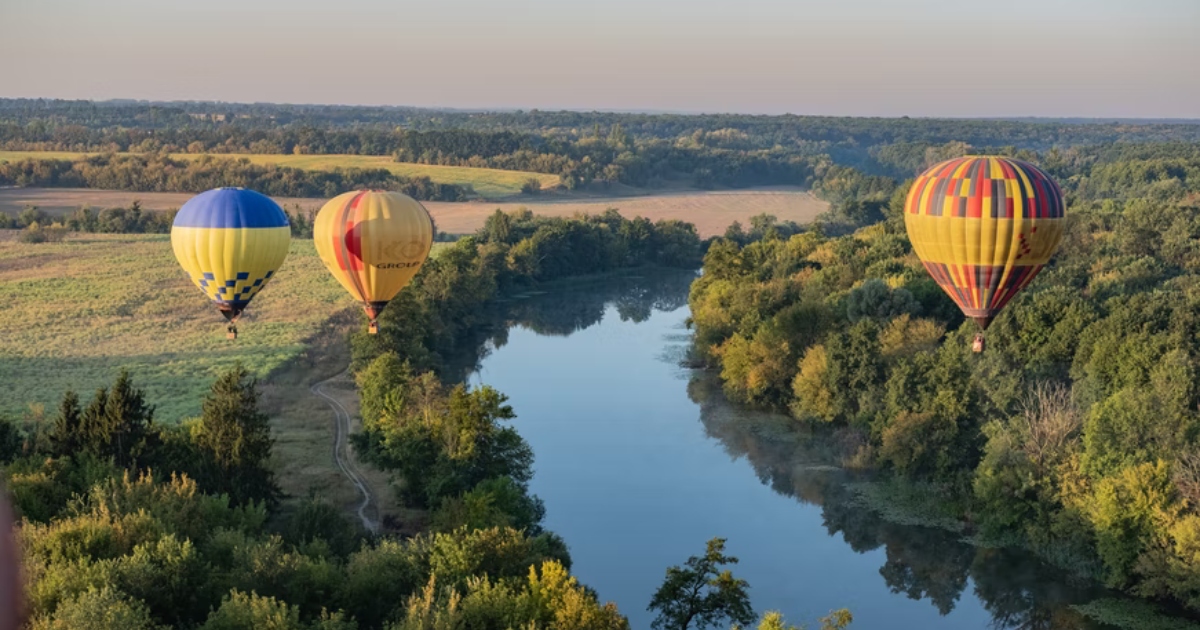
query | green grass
[488, 182]
[78, 311]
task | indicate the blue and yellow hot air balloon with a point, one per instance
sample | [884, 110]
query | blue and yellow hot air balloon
[231, 241]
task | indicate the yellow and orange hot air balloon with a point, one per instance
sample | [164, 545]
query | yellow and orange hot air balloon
[373, 242]
[984, 227]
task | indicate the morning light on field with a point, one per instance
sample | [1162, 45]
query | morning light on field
[619, 316]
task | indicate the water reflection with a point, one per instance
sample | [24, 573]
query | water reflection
[563, 309]
[573, 307]
[922, 563]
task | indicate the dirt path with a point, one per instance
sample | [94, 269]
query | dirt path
[342, 457]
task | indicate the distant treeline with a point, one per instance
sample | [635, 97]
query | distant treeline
[581, 148]
[160, 173]
[131, 220]
[119, 220]
[75, 122]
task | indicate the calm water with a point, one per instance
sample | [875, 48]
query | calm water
[640, 462]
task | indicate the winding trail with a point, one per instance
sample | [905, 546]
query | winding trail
[341, 454]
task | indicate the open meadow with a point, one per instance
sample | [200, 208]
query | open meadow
[711, 212]
[488, 182]
[79, 310]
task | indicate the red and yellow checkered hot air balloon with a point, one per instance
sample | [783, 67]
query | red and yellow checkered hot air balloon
[373, 242]
[984, 227]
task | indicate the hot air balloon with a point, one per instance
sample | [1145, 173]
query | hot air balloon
[984, 227]
[373, 242]
[231, 241]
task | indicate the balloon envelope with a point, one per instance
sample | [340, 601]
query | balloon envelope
[373, 242]
[984, 227]
[231, 241]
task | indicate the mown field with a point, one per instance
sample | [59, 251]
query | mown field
[78, 311]
[711, 212]
[487, 182]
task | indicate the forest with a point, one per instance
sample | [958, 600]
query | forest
[582, 148]
[1075, 434]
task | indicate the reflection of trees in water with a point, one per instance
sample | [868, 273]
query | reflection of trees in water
[924, 563]
[572, 306]
[581, 304]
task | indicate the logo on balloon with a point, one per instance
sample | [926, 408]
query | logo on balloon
[403, 251]
[400, 254]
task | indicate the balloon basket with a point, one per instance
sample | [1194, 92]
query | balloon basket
[977, 345]
[373, 328]
[231, 333]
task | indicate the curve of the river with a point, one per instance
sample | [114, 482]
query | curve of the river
[639, 462]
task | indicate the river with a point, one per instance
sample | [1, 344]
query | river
[640, 461]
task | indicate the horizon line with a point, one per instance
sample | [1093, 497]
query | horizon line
[631, 111]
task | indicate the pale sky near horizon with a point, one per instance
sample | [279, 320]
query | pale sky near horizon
[1086, 58]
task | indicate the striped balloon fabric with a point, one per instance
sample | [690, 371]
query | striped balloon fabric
[984, 227]
[374, 242]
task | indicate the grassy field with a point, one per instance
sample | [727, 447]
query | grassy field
[711, 212]
[487, 182]
[80, 310]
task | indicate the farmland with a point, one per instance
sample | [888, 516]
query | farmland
[711, 212]
[487, 182]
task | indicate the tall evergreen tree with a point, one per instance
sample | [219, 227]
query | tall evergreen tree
[117, 424]
[234, 438]
[65, 437]
[11, 441]
[129, 420]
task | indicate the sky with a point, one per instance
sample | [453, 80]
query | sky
[980, 58]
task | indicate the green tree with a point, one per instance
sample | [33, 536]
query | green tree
[99, 609]
[876, 300]
[240, 611]
[234, 439]
[496, 502]
[10, 441]
[65, 434]
[702, 593]
[118, 423]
